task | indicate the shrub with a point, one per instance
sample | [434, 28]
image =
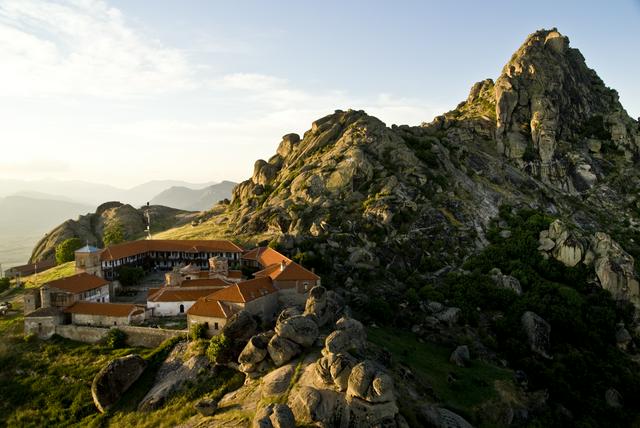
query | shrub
[198, 331]
[5, 283]
[113, 234]
[115, 339]
[65, 251]
[130, 275]
[219, 346]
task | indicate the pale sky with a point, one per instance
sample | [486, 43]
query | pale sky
[124, 92]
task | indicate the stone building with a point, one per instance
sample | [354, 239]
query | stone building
[173, 301]
[88, 260]
[257, 296]
[105, 314]
[43, 321]
[66, 291]
[166, 254]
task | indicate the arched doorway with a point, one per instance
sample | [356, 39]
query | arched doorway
[181, 309]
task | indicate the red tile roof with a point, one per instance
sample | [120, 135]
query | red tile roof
[104, 309]
[78, 283]
[209, 307]
[236, 274]
[133, 248]
[245, 291]
[176, 294]
[292, 272]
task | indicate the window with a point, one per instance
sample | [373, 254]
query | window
[306, 286]
[181, 309]
[215, 326]
[115, 323]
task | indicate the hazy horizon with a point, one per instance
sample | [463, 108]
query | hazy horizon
[122, 93]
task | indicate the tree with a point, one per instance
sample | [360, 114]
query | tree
[130, 275]
[65, 250]
[115, 339]
[113, 234]
[219, 347]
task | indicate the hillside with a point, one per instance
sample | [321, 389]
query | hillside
[90, 227]
[189, 199]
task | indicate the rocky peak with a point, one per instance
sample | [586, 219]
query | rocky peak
[547, 96]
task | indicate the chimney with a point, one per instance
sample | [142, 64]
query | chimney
[282, 265]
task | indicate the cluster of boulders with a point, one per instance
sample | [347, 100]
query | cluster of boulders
[341, 388]
[294, 331]
[613, 266]
[437, 316]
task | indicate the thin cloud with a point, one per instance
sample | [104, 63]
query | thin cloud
[82, 48]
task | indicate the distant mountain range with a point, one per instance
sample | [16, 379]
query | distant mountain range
[91, 193]
[188, 199]
[25, 220]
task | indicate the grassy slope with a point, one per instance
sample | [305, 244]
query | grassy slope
[430, 362]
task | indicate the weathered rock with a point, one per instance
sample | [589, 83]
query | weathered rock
[438, 417]
[114, 379]
[449, 316]
[299, 329]
[623, 337]
[288, 313]
[282, 350]
[460, 356]
[240, 326]
[278, 380]
[274, 415]
[369, 383]
[255, 350]
[172, 376]
[507, 282]
[538, 333]
[206, 406]
[613, 398]
[322, 306]
[335, 369]
[307, 406]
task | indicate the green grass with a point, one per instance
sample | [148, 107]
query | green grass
[56, 272]
[430, 362]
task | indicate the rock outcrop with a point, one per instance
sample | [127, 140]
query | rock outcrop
[173, 375]
[538, 333]
[90, 227]
[613, 266]
[114, 379]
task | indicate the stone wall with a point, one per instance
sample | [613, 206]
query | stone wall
[82, 333]
[148, 337]
[136, 336]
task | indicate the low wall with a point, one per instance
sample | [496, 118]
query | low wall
[148, 337]
[136, 336]
[82, 333]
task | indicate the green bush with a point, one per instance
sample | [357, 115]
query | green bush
[113, 234]
[65, 251]
[115, 339]
[5, 283]
[128, 275]
[219, 346]
[198, 331]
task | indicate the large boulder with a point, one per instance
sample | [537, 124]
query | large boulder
[274, 415]
[308, 407]
[369, 383]
[282, 350]
[299, 329]
[277, 381]
[348, 336]
[335, 369]
[538, 333]
[174, 373]
[322, 306]
[439, 417]
[505, 281]
[460, 356]
[114, 379]
[240, 326]
[254, 351]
